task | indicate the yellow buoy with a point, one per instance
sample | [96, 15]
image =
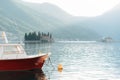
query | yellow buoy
[60, 67]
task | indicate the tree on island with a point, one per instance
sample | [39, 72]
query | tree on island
[40, 37]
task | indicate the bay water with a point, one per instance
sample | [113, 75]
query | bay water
[80, 61]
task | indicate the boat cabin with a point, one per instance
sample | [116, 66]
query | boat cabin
[11, 51]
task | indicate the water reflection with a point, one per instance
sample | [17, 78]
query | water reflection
[35, 48]
[23, 75]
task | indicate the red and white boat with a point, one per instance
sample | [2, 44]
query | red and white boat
[13, 57]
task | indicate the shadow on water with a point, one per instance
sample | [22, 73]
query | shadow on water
[23, 75]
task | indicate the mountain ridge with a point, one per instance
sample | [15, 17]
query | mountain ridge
[19, 17]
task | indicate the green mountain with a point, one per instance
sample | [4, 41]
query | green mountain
[18, 17]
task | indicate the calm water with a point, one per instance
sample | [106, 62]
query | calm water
[81, 61]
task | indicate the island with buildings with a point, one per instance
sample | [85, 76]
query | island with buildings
[40, 37]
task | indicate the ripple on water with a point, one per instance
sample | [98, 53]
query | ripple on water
[90, 61]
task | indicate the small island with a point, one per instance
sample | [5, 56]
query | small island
[34, 37]
[107, 39]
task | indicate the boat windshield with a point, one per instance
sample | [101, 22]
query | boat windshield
[12, 49]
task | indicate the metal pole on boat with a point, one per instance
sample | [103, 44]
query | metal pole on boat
[5, 37]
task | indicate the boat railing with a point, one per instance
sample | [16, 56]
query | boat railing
[14, 52]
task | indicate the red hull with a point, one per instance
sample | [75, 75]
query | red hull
[23, 64]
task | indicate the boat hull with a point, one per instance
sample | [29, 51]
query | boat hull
[23, 64]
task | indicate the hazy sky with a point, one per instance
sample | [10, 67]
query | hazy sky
[82, 7]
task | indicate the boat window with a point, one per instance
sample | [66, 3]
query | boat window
[10, 49]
